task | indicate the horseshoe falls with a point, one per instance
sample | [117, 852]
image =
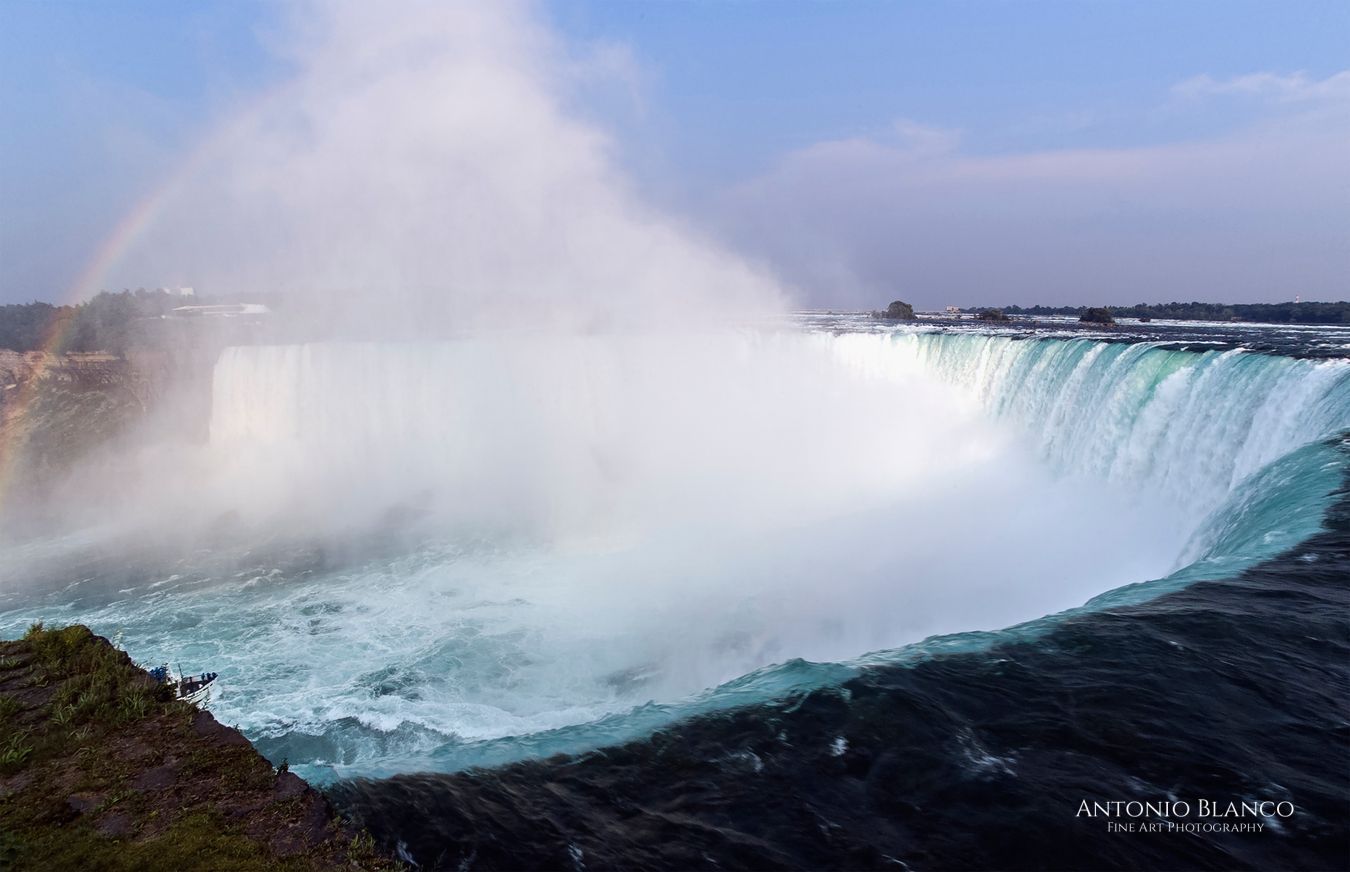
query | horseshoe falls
[427, 557]
[1231, 438]
[1135, 412]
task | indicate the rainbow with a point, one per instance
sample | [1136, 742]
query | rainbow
[115, 245]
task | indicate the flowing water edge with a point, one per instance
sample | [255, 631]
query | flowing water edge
[1225, 691]
[984, 577]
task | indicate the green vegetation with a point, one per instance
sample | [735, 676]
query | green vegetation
[1098, 315]
[898, 310]
[1268, 313]
[105, 323]
[27, 326]
[100, 768]
[992, 315]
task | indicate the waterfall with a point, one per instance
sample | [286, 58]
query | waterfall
[659, 525]
[1190, 426]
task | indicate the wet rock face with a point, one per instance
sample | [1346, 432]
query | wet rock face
[82, 803]
[289, 786]
[157, 778]
[204, 724]
[117, 825]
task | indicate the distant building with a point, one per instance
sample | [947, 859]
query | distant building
[223, 310]
[954, 311]
[178, 292]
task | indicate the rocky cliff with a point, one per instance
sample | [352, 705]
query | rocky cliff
[101, 769]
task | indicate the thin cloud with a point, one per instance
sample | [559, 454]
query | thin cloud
[1260, 213]
[1293, 88]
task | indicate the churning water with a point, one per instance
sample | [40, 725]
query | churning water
[425, 557]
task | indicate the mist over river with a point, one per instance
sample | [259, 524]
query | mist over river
[408, 557]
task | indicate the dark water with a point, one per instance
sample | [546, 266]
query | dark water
[1228, 692]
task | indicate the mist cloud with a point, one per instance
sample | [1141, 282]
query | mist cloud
[427, 167]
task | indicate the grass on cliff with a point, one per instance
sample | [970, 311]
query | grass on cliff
[101, 768]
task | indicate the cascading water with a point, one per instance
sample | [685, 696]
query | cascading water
[580, 539]
[1187, 425]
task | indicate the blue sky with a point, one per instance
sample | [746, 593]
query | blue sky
[967, 152]
[739, 82]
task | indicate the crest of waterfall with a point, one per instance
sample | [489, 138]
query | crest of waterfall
[1190, 426]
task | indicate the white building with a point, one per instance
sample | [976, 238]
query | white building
[222, 310]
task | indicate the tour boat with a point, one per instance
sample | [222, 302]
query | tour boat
[195, 689]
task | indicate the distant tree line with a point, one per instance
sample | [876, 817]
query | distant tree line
[1272, 313]
[104, 323]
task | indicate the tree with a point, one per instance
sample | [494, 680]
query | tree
[899, 311]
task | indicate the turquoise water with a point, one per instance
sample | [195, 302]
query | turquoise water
[1072, 470]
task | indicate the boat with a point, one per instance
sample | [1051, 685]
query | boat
[194, 689]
